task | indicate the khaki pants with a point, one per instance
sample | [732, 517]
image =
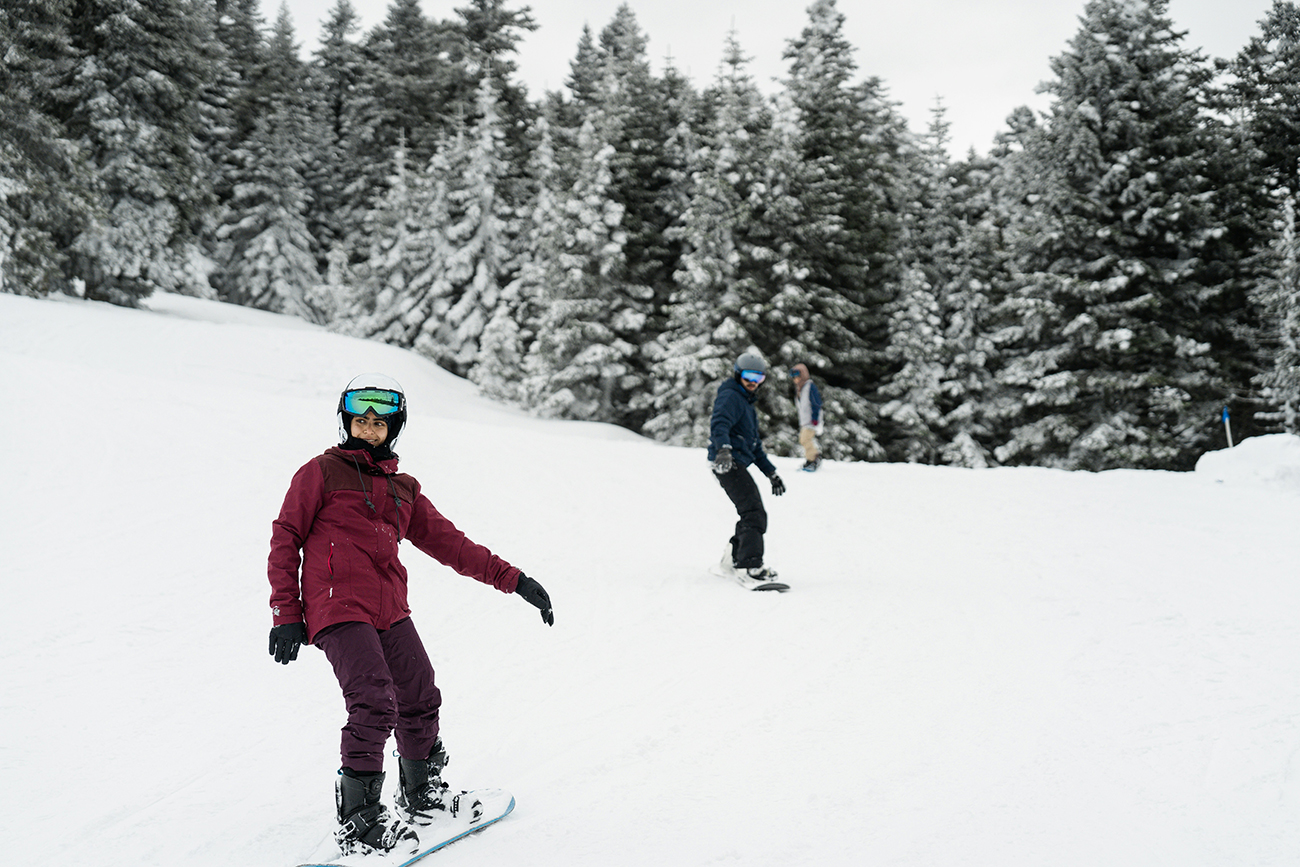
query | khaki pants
[808, 439]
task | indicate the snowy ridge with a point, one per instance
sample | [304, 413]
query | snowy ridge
[1270, 461]
[974, 667]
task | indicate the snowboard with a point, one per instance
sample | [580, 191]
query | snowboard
[724, 571]
[496, 805]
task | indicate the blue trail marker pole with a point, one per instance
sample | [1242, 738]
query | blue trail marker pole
[1227, 426]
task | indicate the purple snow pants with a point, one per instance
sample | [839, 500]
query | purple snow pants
[387, 683]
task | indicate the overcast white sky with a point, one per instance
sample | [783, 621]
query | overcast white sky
[982, 57]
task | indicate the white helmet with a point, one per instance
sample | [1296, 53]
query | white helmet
[379, 394]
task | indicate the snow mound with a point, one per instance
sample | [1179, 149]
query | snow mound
[1272, 461]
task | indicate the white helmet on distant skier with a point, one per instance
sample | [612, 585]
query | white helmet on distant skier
[375, 393]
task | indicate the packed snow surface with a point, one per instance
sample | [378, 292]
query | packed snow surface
[974, 667]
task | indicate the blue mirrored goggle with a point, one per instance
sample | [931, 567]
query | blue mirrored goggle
[379, 401]
[754, 376]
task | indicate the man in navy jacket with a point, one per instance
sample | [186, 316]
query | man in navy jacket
[734, 444]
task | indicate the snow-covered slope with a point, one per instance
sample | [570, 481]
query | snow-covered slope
[997, 667]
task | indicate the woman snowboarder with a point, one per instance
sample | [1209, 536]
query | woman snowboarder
[336, 582]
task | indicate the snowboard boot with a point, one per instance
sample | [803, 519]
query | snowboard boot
[760, 573]
[421, 794]
[729, 556]
[365, 825]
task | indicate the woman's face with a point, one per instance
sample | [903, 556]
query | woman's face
[370, 428]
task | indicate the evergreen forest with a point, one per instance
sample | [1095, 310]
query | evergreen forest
[1101, 290]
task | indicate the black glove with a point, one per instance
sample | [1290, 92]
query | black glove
[285, 641]
[535, 594]
[778, 486]
[723, 463]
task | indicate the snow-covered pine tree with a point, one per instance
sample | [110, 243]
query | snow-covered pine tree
[1117, 245]
[641, 117]
[335, 218]
[828, 214]
[565, 113]
[441, 247]
[490, 34]
[478, 230]
[499, 369]
[337, 295]
[915, 391]
[1261, 165]
[630, 123]
[265, 253]
[43, 190]
[406, 91]
[408, 246]
[916, 347]
[1263, 87]
[131, 103]
[585, 74]
[682, 118]
[940, 355]
[236, 94]
[577, 365]
[1279, 302]
[975, 277]
[702, 334]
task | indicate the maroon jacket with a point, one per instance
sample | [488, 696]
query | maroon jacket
[347, 549]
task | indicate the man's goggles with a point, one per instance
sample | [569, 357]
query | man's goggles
[754, 376]
[379, 401]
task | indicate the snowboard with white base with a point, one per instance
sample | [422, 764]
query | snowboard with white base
[741, 577]
[493, 806]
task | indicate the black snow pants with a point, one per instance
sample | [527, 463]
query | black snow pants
[747, 544]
